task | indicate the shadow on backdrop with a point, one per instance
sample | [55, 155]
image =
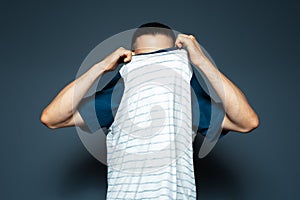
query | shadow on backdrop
[82, 174]
[214, 180]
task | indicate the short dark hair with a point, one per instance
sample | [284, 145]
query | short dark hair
[152, 28]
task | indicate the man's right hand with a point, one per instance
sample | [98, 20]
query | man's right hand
[118, 56]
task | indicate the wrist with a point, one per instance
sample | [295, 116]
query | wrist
[100, 67]
[200, 61]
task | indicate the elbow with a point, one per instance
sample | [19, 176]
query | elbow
[252, 123]
[46, 120]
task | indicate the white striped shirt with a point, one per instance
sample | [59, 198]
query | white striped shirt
[149, 145]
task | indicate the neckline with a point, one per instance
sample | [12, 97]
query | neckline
[158, 51]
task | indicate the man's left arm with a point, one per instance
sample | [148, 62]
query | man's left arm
[239, 116]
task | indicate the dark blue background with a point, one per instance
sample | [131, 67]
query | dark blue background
[255, 43]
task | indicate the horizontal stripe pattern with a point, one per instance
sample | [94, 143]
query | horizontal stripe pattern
[149, 145]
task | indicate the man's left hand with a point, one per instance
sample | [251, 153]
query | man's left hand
[195, 52]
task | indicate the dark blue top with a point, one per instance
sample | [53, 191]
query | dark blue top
[98, 110]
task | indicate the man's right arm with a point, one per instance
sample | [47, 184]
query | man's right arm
[62, 111]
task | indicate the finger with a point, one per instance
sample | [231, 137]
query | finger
[181, 35]
[128, 55]
[180, 41]
[178, 44]
[184, 40]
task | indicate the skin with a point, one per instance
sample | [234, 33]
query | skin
[240, 117]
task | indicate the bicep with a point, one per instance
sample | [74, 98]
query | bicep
[75, 120]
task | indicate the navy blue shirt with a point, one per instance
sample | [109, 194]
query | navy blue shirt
[98, 110]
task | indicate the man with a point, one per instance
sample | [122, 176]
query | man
[240, 117]
[64, 111]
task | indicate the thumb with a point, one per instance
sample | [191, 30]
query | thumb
[178, 43]
[127, 56]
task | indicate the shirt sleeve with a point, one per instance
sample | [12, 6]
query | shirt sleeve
[207, 114]
[99, 109]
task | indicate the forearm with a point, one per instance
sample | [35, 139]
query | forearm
[238, 111]
[66, 102]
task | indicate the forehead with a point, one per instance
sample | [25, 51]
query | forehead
[150, 39]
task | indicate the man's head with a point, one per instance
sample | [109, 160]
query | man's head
[151, 37]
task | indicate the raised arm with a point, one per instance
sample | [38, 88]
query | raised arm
[239, 116]
[62, 111]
